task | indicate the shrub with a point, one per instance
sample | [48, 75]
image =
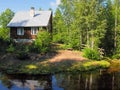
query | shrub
[91, 53]
[57, 38]
[117, 56]
[22, 52]
[64, 46]
[96, 64]
[42, 42]
[22, 55]
[90, 65]
[11, 48]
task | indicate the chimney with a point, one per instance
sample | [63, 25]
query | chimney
[32, 11]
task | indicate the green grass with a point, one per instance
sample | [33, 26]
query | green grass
[90, 65]
[46, 67]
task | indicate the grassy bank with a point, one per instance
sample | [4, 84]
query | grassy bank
[48, 67]
[55, 61]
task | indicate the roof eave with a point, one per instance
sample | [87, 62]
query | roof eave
[29, 26]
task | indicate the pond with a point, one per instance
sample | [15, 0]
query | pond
[100, 80]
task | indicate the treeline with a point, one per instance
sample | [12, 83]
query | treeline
[5, 18]
[78, 24]
[91, 23]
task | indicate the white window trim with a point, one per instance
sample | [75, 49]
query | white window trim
[20, 31]
[33, 32]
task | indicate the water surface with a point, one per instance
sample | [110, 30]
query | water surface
[62, 81]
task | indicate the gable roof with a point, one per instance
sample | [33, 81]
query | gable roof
[23, 19]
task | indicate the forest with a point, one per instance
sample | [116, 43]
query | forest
[91, 26]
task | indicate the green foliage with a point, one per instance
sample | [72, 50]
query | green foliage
[46, 67]
[4, 33]
[84, 23]
[5, 18]
[22, 55]
[116, 56]
[42, 42]
[58, 27]
[22, 52]
[91, 53]
[11, 48]
[92, 23]
[57, 38]
[97, 64]
[90, 65]
[64, 46]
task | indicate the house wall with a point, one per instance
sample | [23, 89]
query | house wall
[27, 33]
[49, 27]
[50, 21]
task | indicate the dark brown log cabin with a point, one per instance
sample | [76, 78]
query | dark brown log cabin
[25, 25]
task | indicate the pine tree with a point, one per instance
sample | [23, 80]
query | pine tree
[5, 18]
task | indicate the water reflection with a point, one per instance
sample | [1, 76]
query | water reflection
[63, 81]
[89, 81]
[26, 82]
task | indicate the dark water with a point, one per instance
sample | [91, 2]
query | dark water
[82, 81]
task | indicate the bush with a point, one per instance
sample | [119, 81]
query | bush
[57, 38]
[64, 46]
[91, 53]
[11, 48]
[22, 52]
[22, 55]
[90, 65]
[75, 44]
[96, 64]
[117, 56]
[42, 42]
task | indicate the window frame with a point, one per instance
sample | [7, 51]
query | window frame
[34, 30]
[20, 31]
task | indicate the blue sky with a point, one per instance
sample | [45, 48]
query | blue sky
[24, 5]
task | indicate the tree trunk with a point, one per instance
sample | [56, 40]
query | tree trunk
[87, 36]
[116, 24]
[90, 82]
[92, 41]
[113, 81]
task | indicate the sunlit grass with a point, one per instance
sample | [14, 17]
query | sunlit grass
[31, 66]
[89, 65]
[115, 66]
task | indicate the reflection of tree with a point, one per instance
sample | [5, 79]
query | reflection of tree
[83, 81]
[72, 82]
[32, 82]
[46, 81]
[5, 81]
[23, 81]
[88, 81]
[104, 81]
[116, 81]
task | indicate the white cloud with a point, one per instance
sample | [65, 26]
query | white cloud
[56, 3]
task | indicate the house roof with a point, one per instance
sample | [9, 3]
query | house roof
[23, 19]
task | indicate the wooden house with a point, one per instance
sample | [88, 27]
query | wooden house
[26, 24]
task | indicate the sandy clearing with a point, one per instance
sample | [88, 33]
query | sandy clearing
[64, 55]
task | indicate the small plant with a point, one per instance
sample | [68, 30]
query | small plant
[117, 56]
[90, 65]
[11, 48]
[42, 42]
[57, 38]
[91, 53]
[22, 52]
[22, 55]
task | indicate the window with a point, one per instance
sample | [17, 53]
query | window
[20, 31]
[34, 30]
